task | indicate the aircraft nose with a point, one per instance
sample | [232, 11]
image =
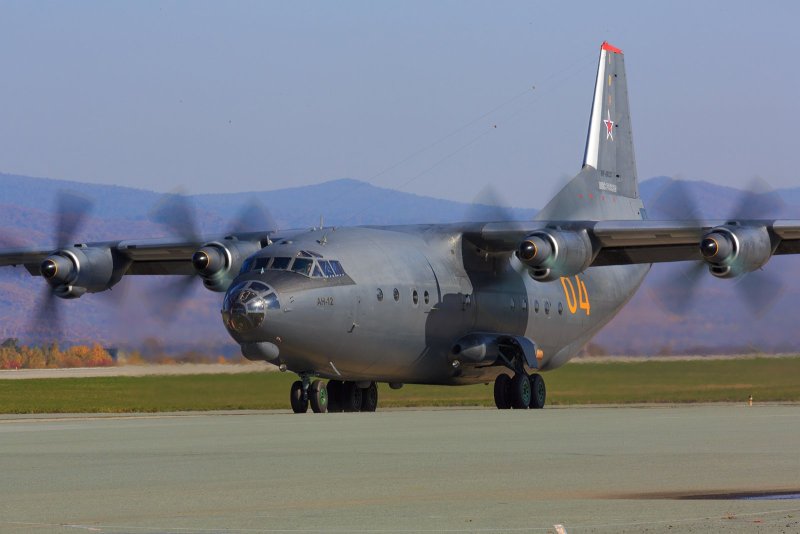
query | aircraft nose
[246, 306]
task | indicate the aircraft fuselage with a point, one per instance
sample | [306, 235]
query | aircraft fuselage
[407, 295]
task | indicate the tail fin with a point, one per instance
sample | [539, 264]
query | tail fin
[606, 187]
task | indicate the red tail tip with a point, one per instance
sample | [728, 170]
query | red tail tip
[610, 47]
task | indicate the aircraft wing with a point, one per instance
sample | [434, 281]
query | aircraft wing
[623, 242]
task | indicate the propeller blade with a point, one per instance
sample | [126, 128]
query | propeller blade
[176, 212]
[758, 201]
[759, 290]
[253, 217]
[674, 202]
[676, 294]
[46, 323]
[72, 210]
[166, 302]
[489, 206]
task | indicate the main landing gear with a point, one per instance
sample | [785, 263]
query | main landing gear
[520, 392]
[335, 396]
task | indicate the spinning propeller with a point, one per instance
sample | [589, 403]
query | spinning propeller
[71, 212]
[178, 214]
[759, 289]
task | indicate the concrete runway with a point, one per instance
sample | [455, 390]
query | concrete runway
[588, 469]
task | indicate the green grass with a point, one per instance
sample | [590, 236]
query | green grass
[767, 379]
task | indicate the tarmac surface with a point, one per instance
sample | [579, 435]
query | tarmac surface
[657, 469]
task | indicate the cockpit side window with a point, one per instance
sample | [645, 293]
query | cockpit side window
[303, 266]
[280, 264]
[247, 265]
[317, 272]
[261, 264]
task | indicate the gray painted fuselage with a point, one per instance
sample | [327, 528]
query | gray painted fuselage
[339, 328]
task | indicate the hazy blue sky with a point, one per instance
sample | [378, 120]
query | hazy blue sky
[239, 96]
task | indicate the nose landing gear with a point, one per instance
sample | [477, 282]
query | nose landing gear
[335, 396]
[305, 392]
[520, 392]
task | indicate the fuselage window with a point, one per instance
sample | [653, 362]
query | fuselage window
[524, 304]
[396, 294]
[281, 264]
[303, 266]
[547, 307]
[560, 309]
[536, 306]
[380, 295]
[415, 297]
[427, 297]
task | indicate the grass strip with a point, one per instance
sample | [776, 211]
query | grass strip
[766, 379]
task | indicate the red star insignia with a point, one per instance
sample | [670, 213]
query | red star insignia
[609, 126]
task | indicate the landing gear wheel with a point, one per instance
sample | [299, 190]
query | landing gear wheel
[296, 398]
[318, 397]
[351, 400]
[538, 392]
[502, 388]
[335, 394]
[369, 398]
[520, 391]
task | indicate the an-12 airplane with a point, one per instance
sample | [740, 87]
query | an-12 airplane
[438, 304]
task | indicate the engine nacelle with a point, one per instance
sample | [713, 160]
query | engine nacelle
[731, 250]
[551, 254]
[218, 262]
[77, 270]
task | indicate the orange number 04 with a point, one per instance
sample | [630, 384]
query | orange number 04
[579, 300]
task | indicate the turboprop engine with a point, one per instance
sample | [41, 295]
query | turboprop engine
[732, 250]
[551, 254]
[218, 262]
[73, 271]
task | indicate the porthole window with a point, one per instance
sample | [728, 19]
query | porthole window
[536, 306]
[415, 297]
[380, 294]
[427, 297]
[547, 307]
[560, 309]
[524, 305]
[396, 295]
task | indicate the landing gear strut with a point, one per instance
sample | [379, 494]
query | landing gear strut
[520, 392]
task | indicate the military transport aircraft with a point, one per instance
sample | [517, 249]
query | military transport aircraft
[437, 304]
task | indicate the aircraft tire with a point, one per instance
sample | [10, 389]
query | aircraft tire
[538, 392]
[502, 388]
[335, 394]
[351, 400]
[369, 398]
[318, 397]
[296, 398]
[520, 391]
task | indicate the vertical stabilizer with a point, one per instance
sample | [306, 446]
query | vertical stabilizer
[606, 187]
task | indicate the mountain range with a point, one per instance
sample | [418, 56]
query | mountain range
[719, 322]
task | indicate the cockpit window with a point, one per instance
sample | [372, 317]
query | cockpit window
[303, 266]
[337, 268]
[327, 270]
[281, 264]
[306, 263]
